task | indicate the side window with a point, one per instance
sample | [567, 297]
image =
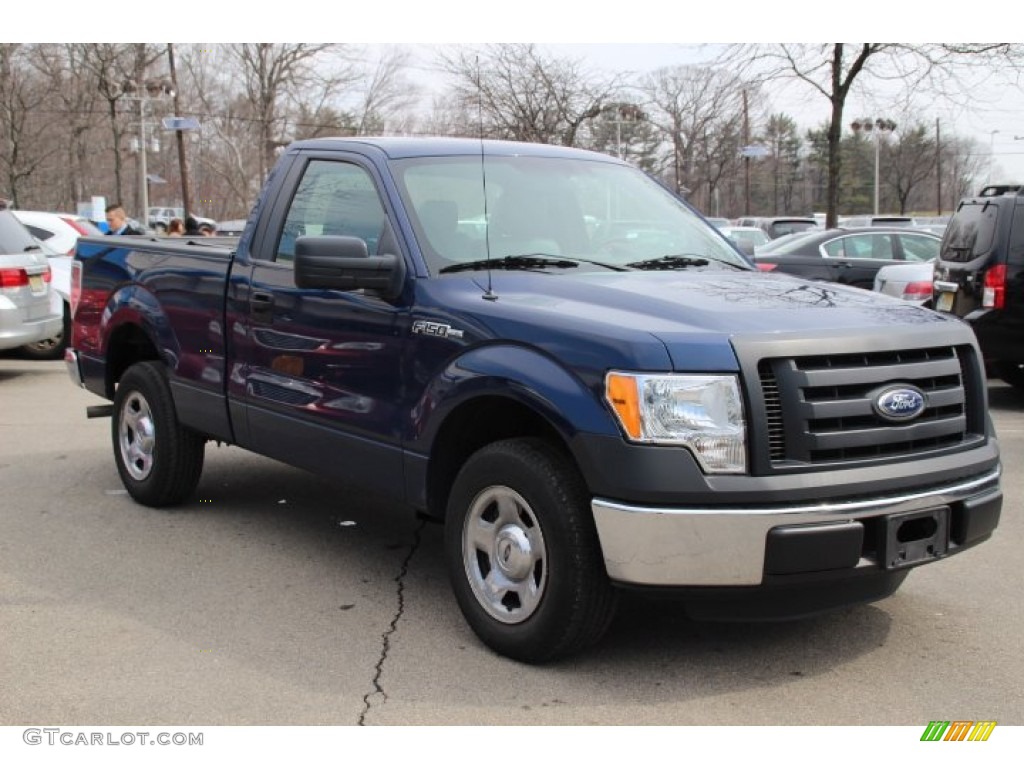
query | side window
[333, 198]
[1015, 255]
[834, 248]
[917, 248]
[881, 248]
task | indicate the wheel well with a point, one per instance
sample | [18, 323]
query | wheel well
[128, 345]
[472, 426]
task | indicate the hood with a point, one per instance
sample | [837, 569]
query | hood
[691, 315]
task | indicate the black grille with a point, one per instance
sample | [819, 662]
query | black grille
[819, 409]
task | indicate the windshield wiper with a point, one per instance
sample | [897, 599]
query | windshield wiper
[670, 262]
[531, 261]
[525, 261]
[33, 248]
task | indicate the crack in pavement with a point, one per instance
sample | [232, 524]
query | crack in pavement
[386, 636]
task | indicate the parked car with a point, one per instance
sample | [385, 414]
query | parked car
[229, 228]
[57, 233]
[718, 222]
[746, 238]
[911, 281]
[777, 226]
[980, 278]
[158, 218]
[60, 231]
[26, 315]
[849, 256]
[850, 222]
[572, 409]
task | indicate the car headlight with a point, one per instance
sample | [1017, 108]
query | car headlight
[703, 413]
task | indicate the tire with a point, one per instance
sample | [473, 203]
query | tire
[1011, 373]
[51, 349]
[523, 554]
[159, 460]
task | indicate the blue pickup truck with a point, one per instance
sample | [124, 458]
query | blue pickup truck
[547, 351]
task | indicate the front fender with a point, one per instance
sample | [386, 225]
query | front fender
[570, 404]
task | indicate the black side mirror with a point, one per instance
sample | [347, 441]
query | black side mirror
[342, 263]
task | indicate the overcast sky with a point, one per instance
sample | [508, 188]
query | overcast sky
[636, 35]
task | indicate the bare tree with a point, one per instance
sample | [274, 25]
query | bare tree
[72, 101]
[687, 105]
[22, 130]
[388, 96]
[518, 92]
[912, 162]
[278, 76]
[831, 69]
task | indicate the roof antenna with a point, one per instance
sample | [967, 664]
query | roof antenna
[489, 294]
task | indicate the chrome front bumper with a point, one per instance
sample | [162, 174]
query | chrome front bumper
[658, 546]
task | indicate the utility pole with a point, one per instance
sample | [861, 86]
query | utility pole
[746, 158]
[180, 136]
[938, 170]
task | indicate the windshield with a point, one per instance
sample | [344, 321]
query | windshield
[604, 215]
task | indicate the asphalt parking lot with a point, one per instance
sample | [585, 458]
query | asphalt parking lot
[276, 597]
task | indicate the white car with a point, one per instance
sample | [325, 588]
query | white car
[58, 233]
[747, 239]
[26, 311]
[911, 281]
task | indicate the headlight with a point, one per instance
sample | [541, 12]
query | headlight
[703, 413]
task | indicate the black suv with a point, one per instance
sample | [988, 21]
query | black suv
[980, 277]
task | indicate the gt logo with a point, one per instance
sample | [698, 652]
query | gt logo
[441, 330]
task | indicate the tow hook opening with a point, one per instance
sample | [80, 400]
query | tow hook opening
[916, 537]
[915, 530]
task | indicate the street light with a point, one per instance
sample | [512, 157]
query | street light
[624, 112]
[868, 125]
[151, 89]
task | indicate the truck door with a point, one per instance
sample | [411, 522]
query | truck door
[318, 370]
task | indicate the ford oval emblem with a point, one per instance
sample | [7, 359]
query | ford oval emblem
[901, 403]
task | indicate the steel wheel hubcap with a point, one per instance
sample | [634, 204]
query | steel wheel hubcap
[504, 555]
[137, 436]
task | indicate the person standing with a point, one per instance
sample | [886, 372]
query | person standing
[117, 220]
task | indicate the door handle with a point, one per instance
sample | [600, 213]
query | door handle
[261, 304]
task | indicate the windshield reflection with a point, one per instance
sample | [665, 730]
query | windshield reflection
[603, 214]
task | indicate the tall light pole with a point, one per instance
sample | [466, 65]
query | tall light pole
[150, 89]
[991, 152]
[869, 125]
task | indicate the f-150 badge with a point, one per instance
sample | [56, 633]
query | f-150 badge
[441, 330]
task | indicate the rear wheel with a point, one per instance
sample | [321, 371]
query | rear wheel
[523, 554]
[159, 460]
[53, 348]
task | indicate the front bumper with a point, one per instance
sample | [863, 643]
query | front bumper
[719, 547]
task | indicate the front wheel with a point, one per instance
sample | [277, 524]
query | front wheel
[523, 554]
[159, 460]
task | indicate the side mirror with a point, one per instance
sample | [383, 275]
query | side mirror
[342, 263]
